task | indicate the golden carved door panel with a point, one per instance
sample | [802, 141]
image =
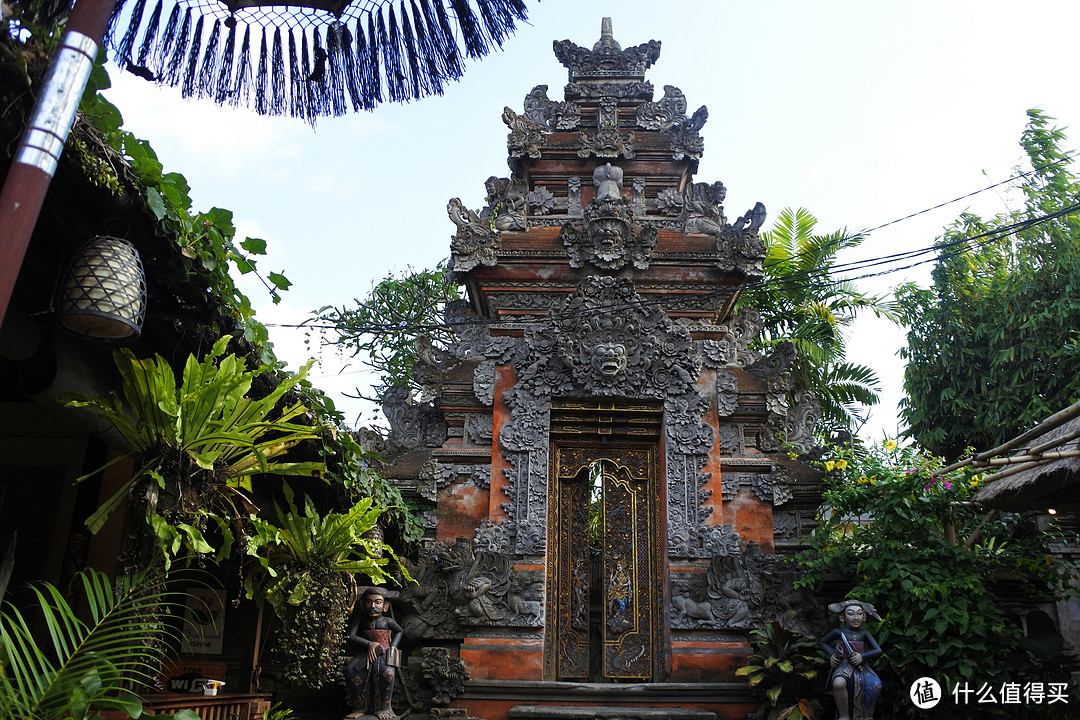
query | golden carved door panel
[604, 591]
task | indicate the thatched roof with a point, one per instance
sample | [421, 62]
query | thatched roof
[1055, 484]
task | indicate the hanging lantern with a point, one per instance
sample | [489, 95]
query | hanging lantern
[104, 293]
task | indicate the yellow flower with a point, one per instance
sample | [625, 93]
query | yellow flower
[890, 445]
[830, 466]
[841, 464]
[862, 480]
[873, 479]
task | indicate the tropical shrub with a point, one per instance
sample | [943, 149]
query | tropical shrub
[935, 566]
[784, 668]
[304, 567]
[197, 445]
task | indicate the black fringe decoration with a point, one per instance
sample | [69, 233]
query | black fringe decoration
[368, 56]
[204, 83]
[348, 62]
[278, 104]
[391, 61]
[432, 75]
[159, 54]
[224, 90]
[174, 70]
[123, 50]
[335, 67]
[242, 89]
[475, 44]
[314, 94]
[261, 78]
[417, 82]
[148, 37]
[296, 76]
[408, 50]
[187, 88]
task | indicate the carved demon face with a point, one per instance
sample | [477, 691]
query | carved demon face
[608, 238]
[609, 358]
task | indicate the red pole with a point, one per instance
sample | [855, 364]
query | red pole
[43, 140]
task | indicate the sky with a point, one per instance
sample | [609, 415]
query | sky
[863, 113]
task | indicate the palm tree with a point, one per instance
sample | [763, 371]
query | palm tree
[800, 302]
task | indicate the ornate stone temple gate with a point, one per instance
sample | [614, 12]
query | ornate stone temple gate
[605, 461]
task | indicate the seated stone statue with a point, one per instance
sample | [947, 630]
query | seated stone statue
[854, 684]
[369, 675]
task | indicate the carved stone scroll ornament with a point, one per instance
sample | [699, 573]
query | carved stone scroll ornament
[479, 429]
[445, 674]
[669, 115]
[793, 430]
[727, 393]
[740, 245]
[526, 137]
[609, 238]
[550, 114]
[474, 243]
[412, 425]
[484, 382]
[733, 349]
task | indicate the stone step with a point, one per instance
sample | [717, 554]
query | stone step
[566, 712]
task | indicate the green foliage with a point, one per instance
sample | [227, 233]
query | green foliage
[84, 661]
[198, 445]
[304, 568]
[385, 327]
[933, 565]
[206, 239]
[992, 344]
[800, 302]
[783, 670]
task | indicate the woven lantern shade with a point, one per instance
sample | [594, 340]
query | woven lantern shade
[306, 58]
[104, 292]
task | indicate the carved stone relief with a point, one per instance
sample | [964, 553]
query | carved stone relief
[733, 350]
[669, 115]
[484, 382]
[412, 425]
[604, 341]
[742, 589]
[506, 202]
[541, 201]
[447, 473]
[459, 587]
[550, 114]
[770, 483]
[609, 238]
[445, 674]
[479, 429]
[703, 211]
[740, 245]
[527, 137]
[474, 243]
[727, 392]
[606, 58]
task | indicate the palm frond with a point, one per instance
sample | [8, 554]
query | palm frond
[83, 665]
